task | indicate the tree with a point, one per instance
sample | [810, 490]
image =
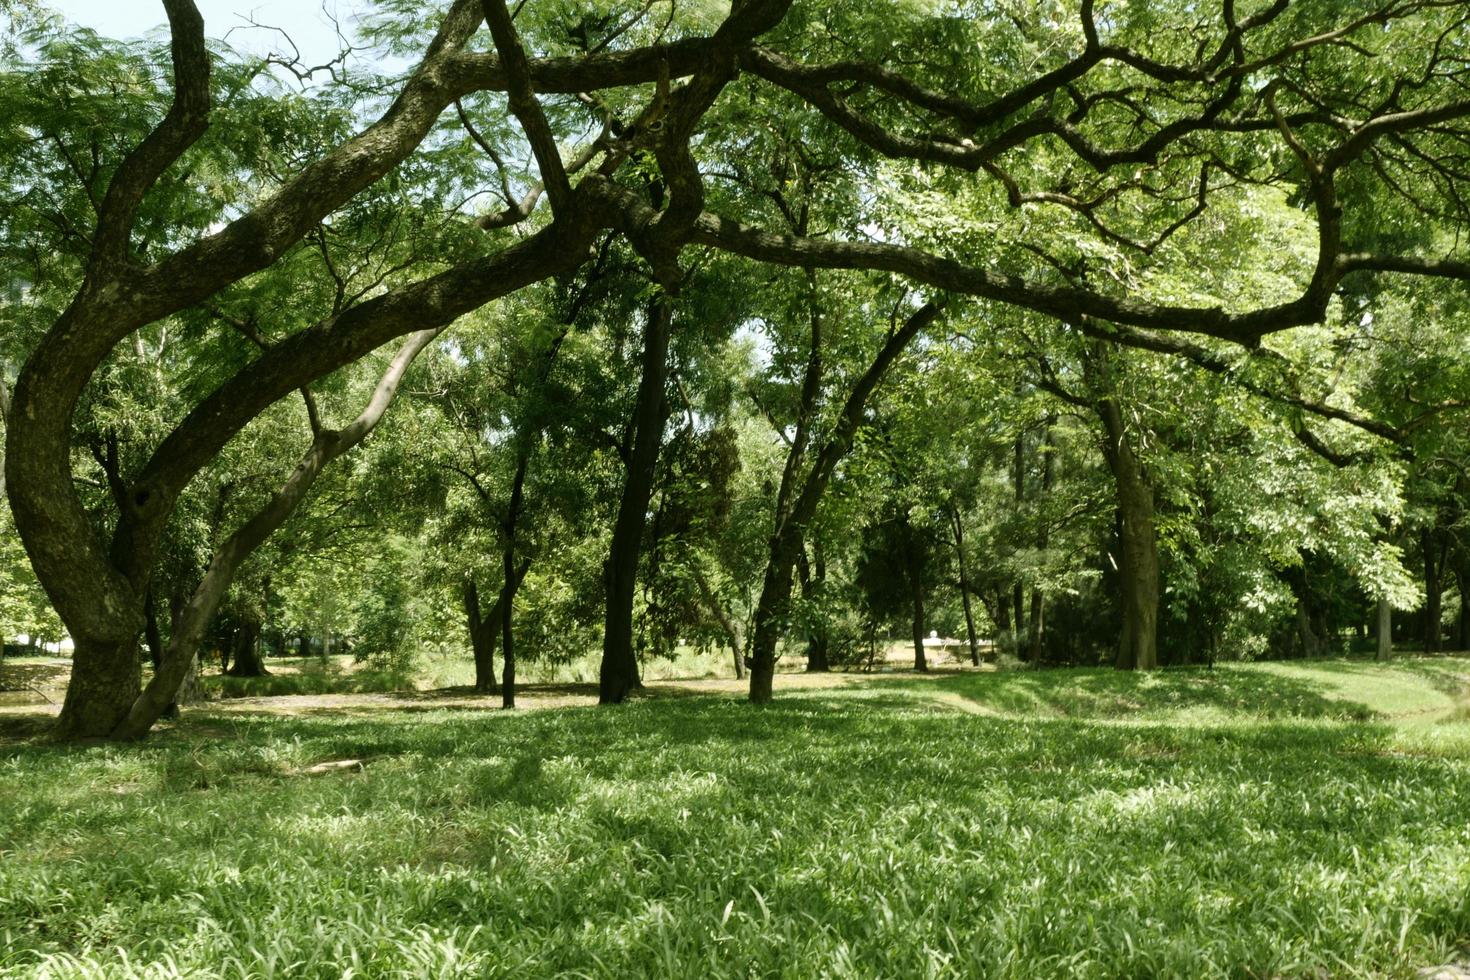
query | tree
[1250, 99]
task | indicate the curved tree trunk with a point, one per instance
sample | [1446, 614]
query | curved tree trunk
[795, 510]
[728, 626]
[190, 625]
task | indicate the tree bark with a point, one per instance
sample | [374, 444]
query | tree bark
[512, 579]
[788, 535]
[194, 618]
[1038, 600]
[248, 662]
[1385, 630]
[956, 521]
[487, 638]
[619, 673]
[1433, 591]
[482, 644]
[154, 638]
[1462, 579]
[916, 591]
[813, 581]
[1138, 565]
[105, 681]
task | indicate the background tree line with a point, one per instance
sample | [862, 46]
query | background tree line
[1109, 333]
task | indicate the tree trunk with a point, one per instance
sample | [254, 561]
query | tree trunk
[154, 638]
[916, 586]
[771, 611]
[484, 635]
[787, 538]
[189, 627]
[1138, 567]
[1385, 630]
[1038, 600]
[1312, 642]
[105, 681]
[914, 559]
[813, 581]
[508, 659]
[1018, 606]
[1462, 577]
[619, 673]
[728, 625]
[248, 662]
[512, 578]
[957, 524]
[1433, 592]
[191, 689]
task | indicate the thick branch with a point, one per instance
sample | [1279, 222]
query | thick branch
[189, 629]
[524, 105]
[187, 118]
[1064, 302]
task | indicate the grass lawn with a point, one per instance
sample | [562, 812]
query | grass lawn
[1255, 820]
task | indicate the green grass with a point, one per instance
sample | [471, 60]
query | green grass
[1261, 820]
[446, 668]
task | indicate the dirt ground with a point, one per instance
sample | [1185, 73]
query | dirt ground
[32, 689]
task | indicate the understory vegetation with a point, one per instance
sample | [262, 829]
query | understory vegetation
[1251, 820]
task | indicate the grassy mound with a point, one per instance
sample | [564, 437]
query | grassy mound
[1267, 820]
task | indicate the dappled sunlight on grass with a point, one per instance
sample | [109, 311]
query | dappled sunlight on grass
[868, 829]
[1326, 690]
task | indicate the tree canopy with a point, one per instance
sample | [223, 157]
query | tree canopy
[769, 323]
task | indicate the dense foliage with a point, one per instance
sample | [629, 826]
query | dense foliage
[1083, 333]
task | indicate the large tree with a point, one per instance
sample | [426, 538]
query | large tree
[1087, 125]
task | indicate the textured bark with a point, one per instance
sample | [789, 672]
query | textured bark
[105, 681]
[1385, 630]
[619, 673]
[1138, 564]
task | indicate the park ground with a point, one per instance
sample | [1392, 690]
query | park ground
[1309, 818]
